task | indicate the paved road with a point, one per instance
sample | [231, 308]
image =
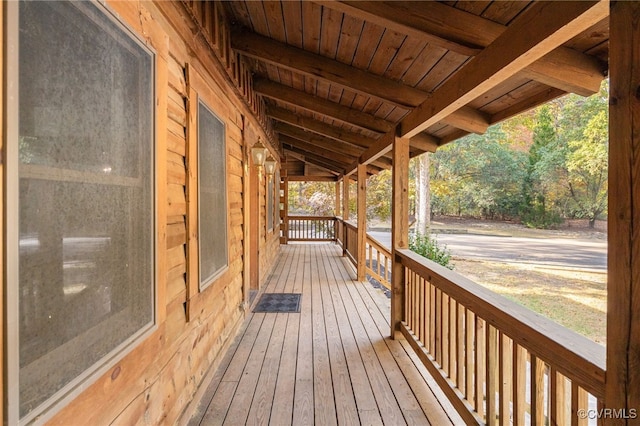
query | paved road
[559, 252]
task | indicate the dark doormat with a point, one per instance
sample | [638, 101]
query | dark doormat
[278, 302]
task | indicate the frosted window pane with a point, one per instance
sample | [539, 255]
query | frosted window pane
[86, 193]
[212, 194]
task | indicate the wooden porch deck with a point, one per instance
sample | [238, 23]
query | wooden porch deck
[332, 363]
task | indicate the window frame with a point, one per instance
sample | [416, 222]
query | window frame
[54, 403]
[205, 282]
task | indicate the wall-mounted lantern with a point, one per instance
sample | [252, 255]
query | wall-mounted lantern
[270, 165]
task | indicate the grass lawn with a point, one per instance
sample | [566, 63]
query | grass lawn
[576, 300]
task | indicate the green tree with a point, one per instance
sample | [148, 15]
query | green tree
[587, 166]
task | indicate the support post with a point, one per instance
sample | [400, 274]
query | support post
[336, 210]
[345, 213]
[399, 228]
[623, 299]
[285, 208]
[362, 222]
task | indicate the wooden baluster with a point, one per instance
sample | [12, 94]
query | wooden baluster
[438, 325]
[559, 400]
[520, 356]
[480, 350]
[423, 309]
[444, 333]
[432, 318]
[492, 366]
[469, 357]
[537, 391]
[505, 377]
[460, 347]
[453, 340]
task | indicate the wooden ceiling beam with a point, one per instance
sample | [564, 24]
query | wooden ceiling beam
[313, 159]
[319, 67]
[334, 156]
[469, 119]
[321, 106]
[516, 48]
[425, 142]
[315, 139]
[319, 127]
[467, 34]
[334, 72]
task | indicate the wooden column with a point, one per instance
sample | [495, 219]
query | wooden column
[345, 212]
[623, 300]
[337, 204]
[285, 208]
[399, 227]
[362, 222]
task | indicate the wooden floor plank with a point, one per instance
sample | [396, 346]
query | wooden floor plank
[382, 391]
[282, 410]
[223, 397]
[260, 411]
[324, 403]
[246, 389]
[345, 404]
[303, 406]
[423, 385]
[332, 363]
[363, 394]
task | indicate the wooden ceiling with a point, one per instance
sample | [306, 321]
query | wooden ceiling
[341, 79]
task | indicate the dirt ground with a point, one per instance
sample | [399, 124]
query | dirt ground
[576, 299]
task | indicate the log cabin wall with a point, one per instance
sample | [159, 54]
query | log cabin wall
[156, 380]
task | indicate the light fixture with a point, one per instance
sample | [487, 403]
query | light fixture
[270, 165]
[258, 153]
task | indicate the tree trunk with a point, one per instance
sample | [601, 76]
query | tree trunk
[423, 196]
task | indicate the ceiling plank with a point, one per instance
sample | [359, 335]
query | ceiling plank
[322, 68]
[319, 127]
[351, 78]
[321, 106]
[314, 159]
[321, 142]
[467, 34]
[336, 157]
[437, 24]
[515, 49]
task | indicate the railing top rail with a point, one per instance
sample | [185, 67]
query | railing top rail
[378, 245]
[571, 354]
[311, 217]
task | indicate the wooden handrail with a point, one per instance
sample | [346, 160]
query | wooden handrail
[485, 351]
[570, 353]
[312, 217]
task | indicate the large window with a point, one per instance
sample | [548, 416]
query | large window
[212, 201]
[81, 138]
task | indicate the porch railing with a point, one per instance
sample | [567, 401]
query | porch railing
[378, 262]
[497, 362]
[311, 228]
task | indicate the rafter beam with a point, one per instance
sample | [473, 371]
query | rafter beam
[313, 148]
[424, 142]
[468, 34]
[515, 49]
[330, 145]
[319, 127]
[321, 106]
[319, 67]
[313, 159]
[350, 78]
